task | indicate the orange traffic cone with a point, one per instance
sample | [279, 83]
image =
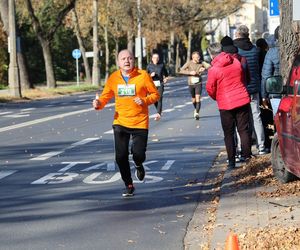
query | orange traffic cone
[232, 242]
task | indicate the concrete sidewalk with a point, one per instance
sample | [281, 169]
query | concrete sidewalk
[240, 208]
[239, 200]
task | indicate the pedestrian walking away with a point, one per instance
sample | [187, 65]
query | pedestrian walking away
[225, 85]
[133, 90]
[228, 47]
[250, 51]
[159, 76]
[194, 69]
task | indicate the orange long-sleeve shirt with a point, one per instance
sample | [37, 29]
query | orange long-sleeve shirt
[127, 112]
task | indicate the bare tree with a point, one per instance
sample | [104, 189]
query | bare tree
[46, 35]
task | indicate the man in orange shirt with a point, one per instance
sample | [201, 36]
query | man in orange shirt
[134, 91]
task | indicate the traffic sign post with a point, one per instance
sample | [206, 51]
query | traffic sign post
[274, 8]
[76, 53]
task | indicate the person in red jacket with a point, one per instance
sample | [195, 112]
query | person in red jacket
[225, 84]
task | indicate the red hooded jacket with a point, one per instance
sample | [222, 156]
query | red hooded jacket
[225, 82]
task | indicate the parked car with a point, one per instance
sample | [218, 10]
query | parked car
[286, 142]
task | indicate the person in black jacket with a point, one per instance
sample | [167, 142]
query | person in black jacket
[159, 76]
[251, 52]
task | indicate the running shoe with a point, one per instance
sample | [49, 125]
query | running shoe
[140, 172]
[196, 116]
[129, 191]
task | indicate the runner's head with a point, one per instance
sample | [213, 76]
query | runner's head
[155, 58]
[196, 57]
[125, 61]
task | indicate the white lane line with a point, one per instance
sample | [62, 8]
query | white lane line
[46, 156]
[17, 115]
[168, 165]
[28, 109]
[179, 106]
[33, 122]
[173, 90]
[5, 173]
[5, 113]
[168, 110]
[54, 153]
[82, 142]
[71, 164]
[109, 132]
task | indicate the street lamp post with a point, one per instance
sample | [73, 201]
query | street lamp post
[13, 71]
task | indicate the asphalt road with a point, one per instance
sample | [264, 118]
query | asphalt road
[60, 187]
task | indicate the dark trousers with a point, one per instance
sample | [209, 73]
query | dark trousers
[238, 117]
[158, 104]
[138, 149]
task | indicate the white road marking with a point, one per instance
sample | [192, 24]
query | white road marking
[45, 119]
[5, 113]
[56, 178]
[91, 179]
[46, 156]
[71, 164]
[109, 132]
[53, 153]
[94, 167]
[82, 142]
[168, 165]
[17, 115]
[5, 173]
[179, 106]
[168, 110]
[28, 109]
[173, 90]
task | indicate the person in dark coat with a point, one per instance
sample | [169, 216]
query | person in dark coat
[250, 51]
[225, 85]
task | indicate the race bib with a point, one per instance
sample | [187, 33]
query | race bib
[157, 83]
[126, 89]
[195, 79]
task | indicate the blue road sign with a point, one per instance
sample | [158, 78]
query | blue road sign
[76, 53]
[274, 7]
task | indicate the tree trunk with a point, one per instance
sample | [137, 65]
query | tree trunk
[88, 78]
[189, 48]
[96, 69]
[130, 40]
[51, 83]
[106, 52]
[23, 72]
[106, 42]
[177, 58]
[171, 53]
[23, 69]
[289, 37]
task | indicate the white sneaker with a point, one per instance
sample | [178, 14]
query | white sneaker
[195, 112]
[196, 115]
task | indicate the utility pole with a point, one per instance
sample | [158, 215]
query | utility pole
[13, 71]
[139, 38]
